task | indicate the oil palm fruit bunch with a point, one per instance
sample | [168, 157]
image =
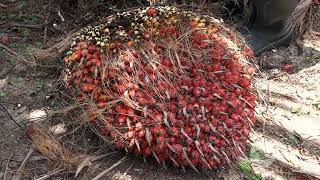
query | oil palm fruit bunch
[166, 83]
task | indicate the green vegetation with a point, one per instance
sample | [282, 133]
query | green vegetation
[2, 93]
[247, 170]
[39, 84]
[292, 139]
[296, 110]
[256, 153]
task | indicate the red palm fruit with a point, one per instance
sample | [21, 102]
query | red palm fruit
[204, 164]
[76, 81]
[85, 71]
[157, 129]
[174, 131]
[139, 126]
[214, 122]
[172, 139]
[195, 154]
[121, 119]
[87, 87]
[119, 145]
[195, 161]
[151, 11]
[88, 79]
[95, 55]
[207, 128]
[244, 82]
[142, 133]
[177, 148]
[130, 112]
[76, 56]
[189, 142]
[188, 129]
[212, 138]
[158, 118]
[84, 53]
[138, 151]
[83, 45]
[147, 151]
[101, 104]
[194, 23]
[196, 91]
[104, 98]
[202, 141]
[92, 49]
[160, 139]
[229, 122]
[131, 143]
[162, 156]
[205, 148]
[130, 134]
[120, 88]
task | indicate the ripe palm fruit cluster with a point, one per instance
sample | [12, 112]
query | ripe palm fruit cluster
[166, 83]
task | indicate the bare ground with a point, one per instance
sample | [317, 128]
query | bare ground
[284, 144]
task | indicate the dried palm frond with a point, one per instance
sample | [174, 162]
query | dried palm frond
[303, 17]
[47, 145]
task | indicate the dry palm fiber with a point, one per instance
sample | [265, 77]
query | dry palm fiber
[46, 144]
[167, 83]
[303, 16]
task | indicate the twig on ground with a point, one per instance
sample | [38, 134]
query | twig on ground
[9, 115]
[8, 49]
[60, 15]
[315, 33]
[110, 168]
[130, 167]
[277, 75]
[88, 161]
[45, 33]
[7, 165]
[23, 165]
[49, 174]
[12, 52]
[37, 26]
[3, 6]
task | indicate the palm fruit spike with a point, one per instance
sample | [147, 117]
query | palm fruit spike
[166, 83]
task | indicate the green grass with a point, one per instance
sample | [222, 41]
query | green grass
[296, 110]
[24, 32]
[256, 153]
[39, 84]
[19, 18]
[247, 170]
[2, 93]
[11, 60]
[16, 81]
[19, 45]
[38, 44]
[292, 139]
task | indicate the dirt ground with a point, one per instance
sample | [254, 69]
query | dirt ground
[284, 143]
